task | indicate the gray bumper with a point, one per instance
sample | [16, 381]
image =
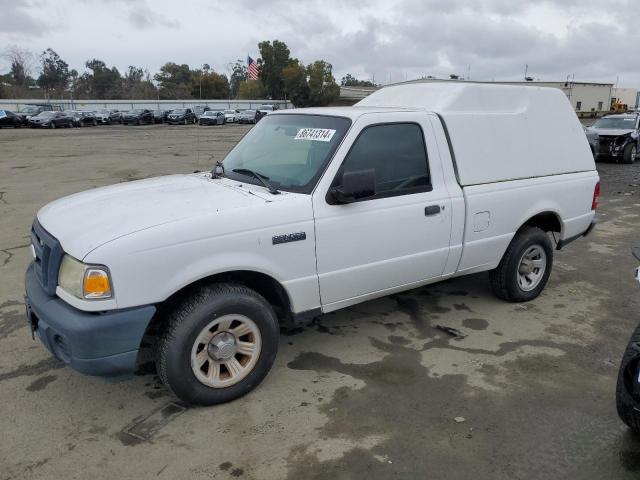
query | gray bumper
[104, 344]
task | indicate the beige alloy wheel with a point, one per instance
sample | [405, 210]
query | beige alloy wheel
[533, 264]
[226, 351]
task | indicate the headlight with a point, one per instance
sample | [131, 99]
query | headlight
[90, 282]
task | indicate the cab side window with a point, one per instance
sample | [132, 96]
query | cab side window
[398, 155]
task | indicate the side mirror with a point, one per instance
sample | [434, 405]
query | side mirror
[355, 186]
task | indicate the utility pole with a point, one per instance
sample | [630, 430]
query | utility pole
[526, 70]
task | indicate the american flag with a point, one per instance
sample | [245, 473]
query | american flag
[252, 67]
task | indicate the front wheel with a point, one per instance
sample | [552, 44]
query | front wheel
[525, 267]
[628, 386]
[52, 125]
[218, 345]
[630, 153]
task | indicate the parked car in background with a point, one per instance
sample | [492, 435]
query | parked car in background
[212, 117]
[628, 384]
[82, 118]
[88, 118]
[230, 116]
[198, 110]
[160, 116]
[264, 110]
[619, 137]
[10, 119]
[33, 109]
[181, 116]
[247, 116]
[107, 117]
[50, 119]
[76, 117]
[594, 142]
[138, 116]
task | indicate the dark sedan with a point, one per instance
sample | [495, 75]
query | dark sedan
[182, 116]
[50, 120]
[619, 137]
[160, 116]
[138, 117]
[10, 119]
[212, 117]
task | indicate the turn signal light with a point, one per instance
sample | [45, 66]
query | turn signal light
[96, 284]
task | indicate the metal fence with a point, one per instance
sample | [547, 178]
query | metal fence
[17, 105]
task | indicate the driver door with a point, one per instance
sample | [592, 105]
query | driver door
[395, 239]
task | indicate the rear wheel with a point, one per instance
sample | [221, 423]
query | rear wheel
[525, 267]
[218, 345]
[630, 153]
[628, 386]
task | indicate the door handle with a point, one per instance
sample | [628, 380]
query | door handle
[431, 210]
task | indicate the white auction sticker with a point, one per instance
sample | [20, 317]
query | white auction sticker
[2, 114]
[317, 134]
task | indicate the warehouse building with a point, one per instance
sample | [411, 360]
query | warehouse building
[589, 99]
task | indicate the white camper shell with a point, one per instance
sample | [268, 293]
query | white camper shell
[499, 132]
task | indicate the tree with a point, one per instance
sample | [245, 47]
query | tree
[102, 82]
[238, 74]
[174, 81]
[22, 65]
[214, 85]
[323, 88]
[351, 81]
[295, 83]
[137, 84]
[274, 58]
[251, 90]
[55, 71]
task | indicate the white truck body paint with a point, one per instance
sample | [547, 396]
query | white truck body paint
[502, 159]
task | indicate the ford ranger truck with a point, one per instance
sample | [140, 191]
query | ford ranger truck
[312, 211]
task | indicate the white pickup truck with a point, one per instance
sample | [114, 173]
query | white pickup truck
[312, 211]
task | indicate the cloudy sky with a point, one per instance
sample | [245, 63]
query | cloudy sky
[391, 40]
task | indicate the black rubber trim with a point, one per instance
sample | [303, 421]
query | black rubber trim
[562, 243]
[306, 317]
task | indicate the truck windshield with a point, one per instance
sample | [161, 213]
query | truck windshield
[291, 150]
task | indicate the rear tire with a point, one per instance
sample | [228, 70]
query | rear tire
[525, 267]
[191, 330]
[630, 153]
[628, 400]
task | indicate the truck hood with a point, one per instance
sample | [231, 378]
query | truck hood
[84, 221]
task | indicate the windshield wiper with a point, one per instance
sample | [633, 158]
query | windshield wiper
[261, 178]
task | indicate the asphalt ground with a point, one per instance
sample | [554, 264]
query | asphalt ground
[371, 392]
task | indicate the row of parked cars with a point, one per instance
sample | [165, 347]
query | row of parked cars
[47, 116]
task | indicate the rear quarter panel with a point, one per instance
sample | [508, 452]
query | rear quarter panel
[509, 205]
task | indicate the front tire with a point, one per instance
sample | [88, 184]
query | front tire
[630, 153]
[525, 267]
[218, 344]
[628, 385]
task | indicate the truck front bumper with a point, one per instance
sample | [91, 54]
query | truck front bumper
[93, 343]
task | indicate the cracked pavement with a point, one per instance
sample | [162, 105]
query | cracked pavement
[371, 391]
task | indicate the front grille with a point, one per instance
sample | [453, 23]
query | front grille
[606, 144]
[48, 257]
